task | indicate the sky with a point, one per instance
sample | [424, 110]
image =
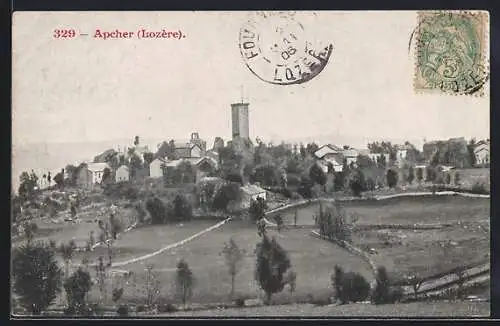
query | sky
[86, 89]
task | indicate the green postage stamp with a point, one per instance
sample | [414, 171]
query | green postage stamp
[451, 50]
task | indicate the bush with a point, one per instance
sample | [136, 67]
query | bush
[142, 308]
[448, 178]
[120, 190]
[167, 308]
[383, 292]
[225, 195]
[305, 188]
[392, 178]
[354, 288]
[479, 188]
[287, 193]
[157, 210]
[239, 302]
[182, 208]
[370, 184]
[122, 311]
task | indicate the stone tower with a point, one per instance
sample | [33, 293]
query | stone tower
[239, 114]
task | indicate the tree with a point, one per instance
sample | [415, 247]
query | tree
[182, 208]
[136, 140]
[233, 256]
[135, 165]
[106, 176]
[257, 208]
[148, 158]
[157, 210]
[470, 148]
[185, 281]
[448, 178]
[279, 222]
[411, 175]
[317, 175]
[416, 283]
[392, 178]
[36, 276]
[337, 278]
[358, 183]
[151, 286]
[101, 269]
[226, 193]
[72, 173]
[272, 263]
[27, 186]
[59, 179]
[77, 286]
[354, 288]
[305, 187]
[381, 291]
[420, 175]
[30, 229]
[67, 251]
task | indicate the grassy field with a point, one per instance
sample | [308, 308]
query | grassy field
[416, 309]
[404, 210]
[312, 259]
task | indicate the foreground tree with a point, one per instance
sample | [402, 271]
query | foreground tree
[37, 277]
[233, 256]
[77, 286]
[185, 281]
[67, 251]
[272, 264]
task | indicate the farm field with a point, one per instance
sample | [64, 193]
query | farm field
[425, 252]
[311, 258]
[415, 309]
[403, 210]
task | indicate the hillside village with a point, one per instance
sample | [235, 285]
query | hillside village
[106, 207]
[269, 166]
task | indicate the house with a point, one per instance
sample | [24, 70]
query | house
[482, 153]
[350, 155]
[205, 166]
[327, 149]
[187, 150]
[122, 174]
[91, 174]
[156, 167]
[251, 192]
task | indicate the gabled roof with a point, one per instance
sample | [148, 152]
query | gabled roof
[327, 149]
[123, 167]
[97, 167]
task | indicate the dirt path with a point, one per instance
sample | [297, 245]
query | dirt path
[171, 246]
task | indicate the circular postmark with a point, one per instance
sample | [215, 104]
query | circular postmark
[450, 50]
[276, 49]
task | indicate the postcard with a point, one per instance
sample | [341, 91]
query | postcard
[242, 164]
